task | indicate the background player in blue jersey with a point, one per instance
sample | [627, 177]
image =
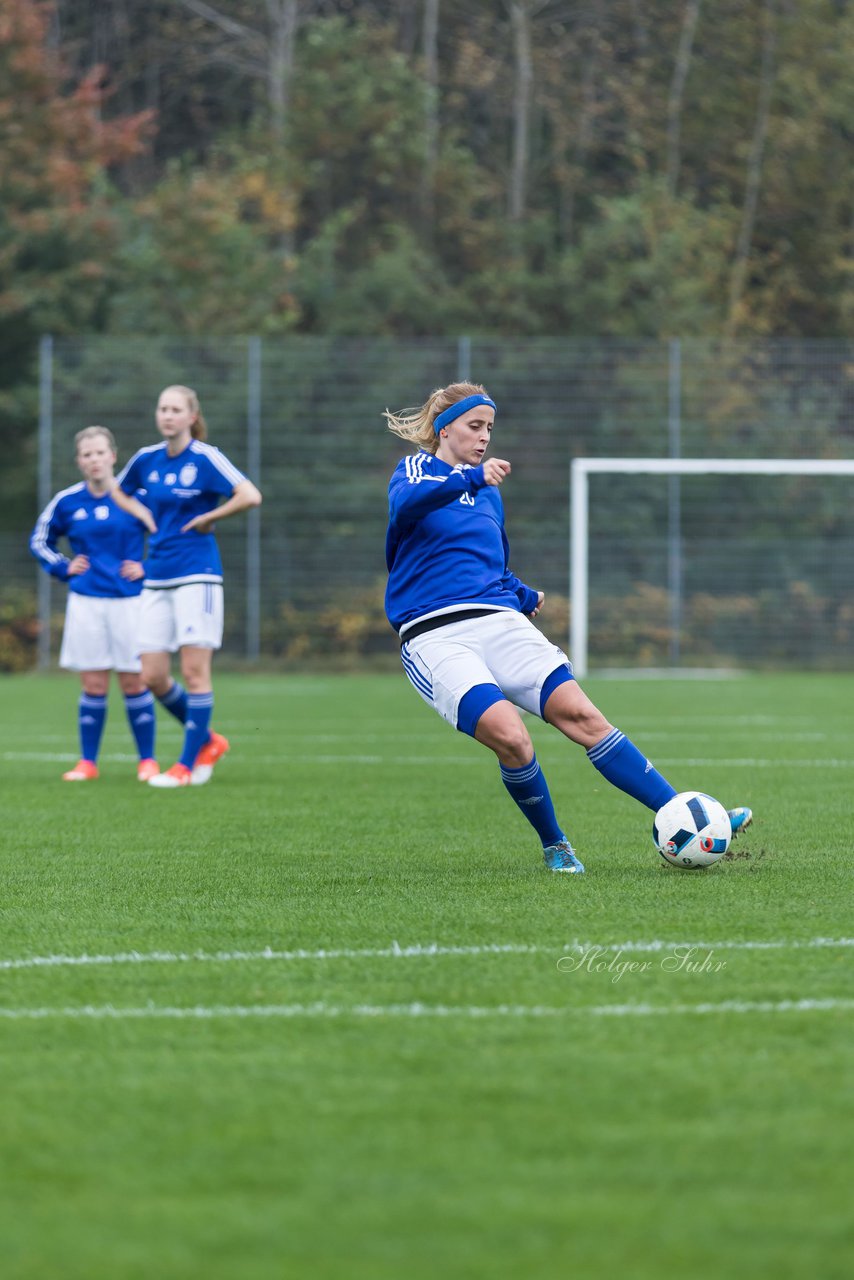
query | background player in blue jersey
[183, 481]
[104, 576]
[467, 644]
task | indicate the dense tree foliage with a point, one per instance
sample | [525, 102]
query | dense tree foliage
[58, 228]
[639, 167]
[635, 169]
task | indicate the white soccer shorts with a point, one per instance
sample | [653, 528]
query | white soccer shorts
[503, 648]
[172, 617]
[100, 634]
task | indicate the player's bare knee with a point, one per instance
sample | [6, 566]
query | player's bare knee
[586, 726]
[130, 683]
[594, 726]
[157, 682]
[96, 683]
[513, 746]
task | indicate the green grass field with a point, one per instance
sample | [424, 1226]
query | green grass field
[328, 1016]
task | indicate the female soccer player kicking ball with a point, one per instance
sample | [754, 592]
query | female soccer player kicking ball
[467, 644]
[183, 480]
[104, 576]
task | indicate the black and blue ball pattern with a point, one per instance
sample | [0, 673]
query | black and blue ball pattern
[692, 831]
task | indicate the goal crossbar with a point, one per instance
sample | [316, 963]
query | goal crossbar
[583, 468]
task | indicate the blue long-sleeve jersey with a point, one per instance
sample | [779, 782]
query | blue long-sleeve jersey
[95, 527]
[446, 546]
[176, 489]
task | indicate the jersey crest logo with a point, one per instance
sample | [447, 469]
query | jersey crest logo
[80, 514]
[467, 500]
[187, 475]
[170, 478]
[101, 513]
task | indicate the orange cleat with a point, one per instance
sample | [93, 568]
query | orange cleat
[83, 771]
[213, 750]
[178, 776]
[147, 769]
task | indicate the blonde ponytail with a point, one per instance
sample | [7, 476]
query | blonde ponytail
[416, 425]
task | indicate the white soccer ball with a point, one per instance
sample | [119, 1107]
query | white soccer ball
[692, 831]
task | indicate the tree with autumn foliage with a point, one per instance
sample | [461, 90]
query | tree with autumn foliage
[56, 221]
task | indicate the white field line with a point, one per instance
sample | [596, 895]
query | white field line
[123, 757]
[758, 944]
[699, 762]
[109, 1012]
[418, 950]
[769, 729]
[393, 952]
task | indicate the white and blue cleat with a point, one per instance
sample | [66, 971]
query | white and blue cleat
[740, 819]
[561, 857]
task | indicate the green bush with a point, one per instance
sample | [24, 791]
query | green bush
[19, 629]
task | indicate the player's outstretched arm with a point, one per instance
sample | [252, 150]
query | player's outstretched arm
[411, 495]
[495, 470]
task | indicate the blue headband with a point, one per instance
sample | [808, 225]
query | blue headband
[458, 409]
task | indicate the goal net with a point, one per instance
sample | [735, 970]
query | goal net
[744, 571]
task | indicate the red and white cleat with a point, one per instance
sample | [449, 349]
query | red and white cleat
[213, 750]
[177, 776]
[147, 769]
[83, 771]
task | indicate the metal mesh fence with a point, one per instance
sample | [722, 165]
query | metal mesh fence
[765, 565]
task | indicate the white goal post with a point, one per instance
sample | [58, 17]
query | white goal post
[583, 468]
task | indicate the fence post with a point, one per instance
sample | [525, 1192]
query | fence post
[578, 565]
[45, 446]
[253, 516]
[674, 499]
[463, 359]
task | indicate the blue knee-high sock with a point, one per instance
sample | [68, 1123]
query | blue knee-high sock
[140, 713]
[91, 717]
[175, 701]
[529, 789]
[618, 759]
[197, 729]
